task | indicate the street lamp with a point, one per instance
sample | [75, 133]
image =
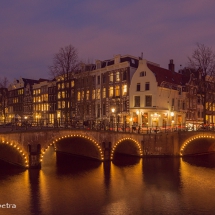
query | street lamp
[37, 119]
[172, 120]
[58, 116]
[113, 111]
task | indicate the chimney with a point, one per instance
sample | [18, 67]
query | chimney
[171, 66]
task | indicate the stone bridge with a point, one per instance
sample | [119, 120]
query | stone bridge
[27, 147]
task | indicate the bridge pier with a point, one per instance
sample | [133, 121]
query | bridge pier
[107, 150]
[34, 156]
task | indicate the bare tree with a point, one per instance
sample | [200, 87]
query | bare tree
[203, 61]
[65, 63]
[4, 82]
[3, 97]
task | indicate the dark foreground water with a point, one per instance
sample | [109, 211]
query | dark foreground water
[124, 186]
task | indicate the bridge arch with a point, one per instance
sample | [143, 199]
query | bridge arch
[127, 146]
[13, 153]
[198, 144]
[59, 140]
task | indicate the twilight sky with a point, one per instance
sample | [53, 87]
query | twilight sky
[31, 32]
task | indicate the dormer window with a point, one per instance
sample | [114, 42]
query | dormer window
[98, 64]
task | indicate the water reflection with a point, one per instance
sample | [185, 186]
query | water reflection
[8, 170]
[125, 160]
[162, 172]
[34, 182]
[207, 160]
[67, 164]
[127, 185]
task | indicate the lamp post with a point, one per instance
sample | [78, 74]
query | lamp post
[113, 111]
[37, 119]
[58, 116]
[172, 118]
[130, 124]
[25, 122]
[117, 125]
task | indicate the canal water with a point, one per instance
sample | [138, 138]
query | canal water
[126, 186]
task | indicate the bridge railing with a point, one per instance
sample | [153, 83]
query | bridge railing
[110, 127]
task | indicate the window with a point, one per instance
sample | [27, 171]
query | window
[117, 91]
[98, 94]
[104, 93]
[142, 74]
[147, 86]
[98, 80]
[82, 95]
[136, 101]
[124, 106]
[111, 92]
[72, 93]
[138, 86]
[79, 96]
[72, 83]
[59, 105]
[124, 90]
[94, 80]
[173, 102]
[117, 77]
[124, 75]
[103, 109]
[87, 95]
[63, 94]
[199, 100]
[183, 105]
[148, 101]
[98, 110]
[179, 104]
[88, 109]
[103, 78]
[111, 77]
[93, 94]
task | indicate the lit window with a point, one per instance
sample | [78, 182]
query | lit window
[79, 96]
[82, 95]
[104, 92]
[117, 77]
[111, 92]
[93, 94]
[72, 83]
[111, 77]
[124, 90]
[63, 94]
[117, 91]
[98, 94]
[88, 95]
